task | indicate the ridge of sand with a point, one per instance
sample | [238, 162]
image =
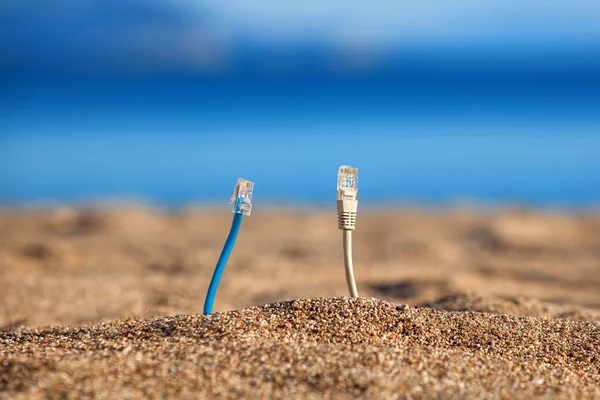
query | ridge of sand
[513, 306]
[308, 348]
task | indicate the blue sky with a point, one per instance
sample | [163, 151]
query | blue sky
[144, 37]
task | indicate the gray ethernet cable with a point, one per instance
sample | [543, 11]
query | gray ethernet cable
[347, 204]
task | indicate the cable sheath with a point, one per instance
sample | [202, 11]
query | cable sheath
[227, 248]
[348, 263]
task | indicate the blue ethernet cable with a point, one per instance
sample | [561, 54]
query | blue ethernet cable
[214, 282]
[242, 205]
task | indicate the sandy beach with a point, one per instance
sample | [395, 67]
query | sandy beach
[457, 303]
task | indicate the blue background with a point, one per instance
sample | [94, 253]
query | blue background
[171, 101]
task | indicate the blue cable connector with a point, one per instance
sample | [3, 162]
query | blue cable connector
[242, 205]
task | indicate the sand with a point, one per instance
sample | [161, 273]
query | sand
[105, 302]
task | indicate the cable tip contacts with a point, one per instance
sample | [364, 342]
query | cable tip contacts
[347, 197]
[242, 197]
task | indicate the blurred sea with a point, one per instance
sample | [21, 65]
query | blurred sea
[179, 140]
[165, 102]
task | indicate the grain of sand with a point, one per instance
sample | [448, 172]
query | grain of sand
[104, 304]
